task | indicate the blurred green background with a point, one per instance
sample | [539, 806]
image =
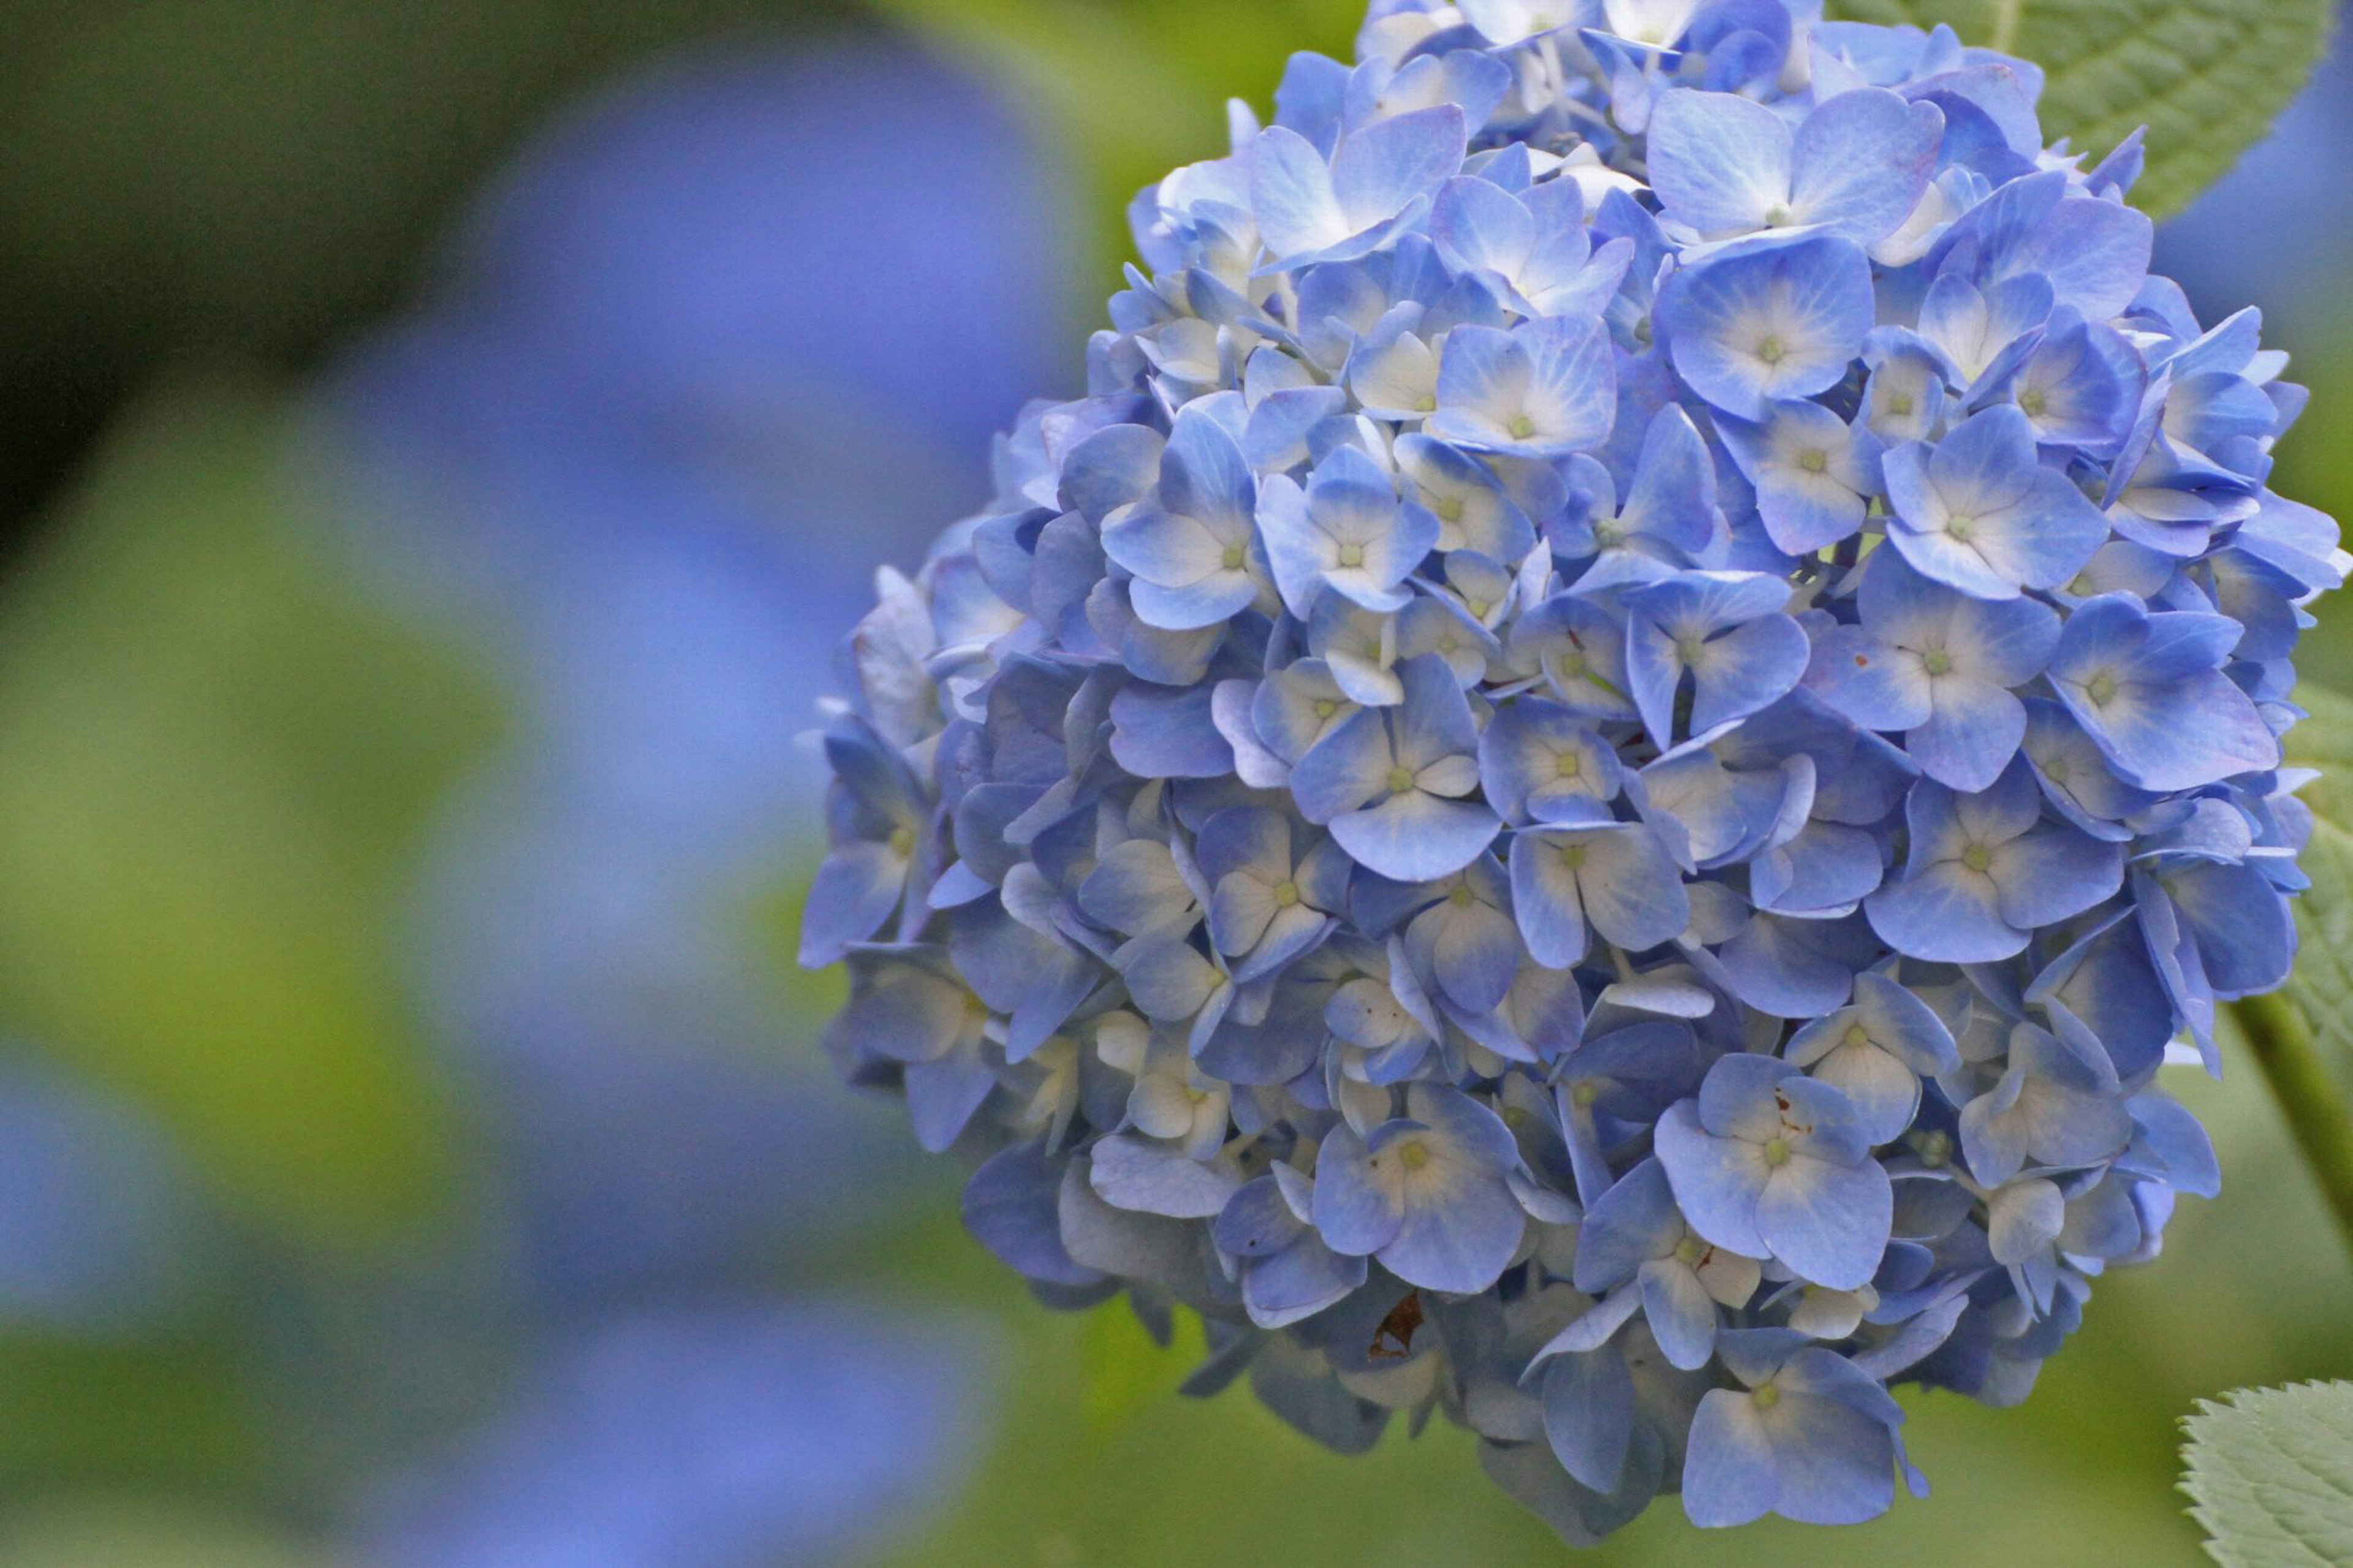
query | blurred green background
[330, 669]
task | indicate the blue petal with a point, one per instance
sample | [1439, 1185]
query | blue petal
[1457, 1237]
[1344, 769]
[1839, 1464]
[1680, 1312]
[1359, 1208]
[1590, 1416]
[1385, 167]
[1752, 329]
[1010, 1207]
[1716, 1180]
[1162, 732]
[1719, 163]
[1861, 162]
[1299, 1282]
[1137, 1173]
[1635, 1221]
[855, 891]
[1971, 735]
[1827, 1222]
[1947, 914]
[1730, 1472]
[1415, 836]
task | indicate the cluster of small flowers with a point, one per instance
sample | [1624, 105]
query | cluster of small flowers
[1587, 786]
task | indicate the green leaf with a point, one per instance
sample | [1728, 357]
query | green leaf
[2207, 77]
[217, 761]
[2270, 1476]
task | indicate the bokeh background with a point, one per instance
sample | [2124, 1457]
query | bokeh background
[440, 445]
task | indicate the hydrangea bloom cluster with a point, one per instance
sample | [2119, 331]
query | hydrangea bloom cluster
[1587, 787]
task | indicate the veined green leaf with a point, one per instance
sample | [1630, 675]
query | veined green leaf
[2207, 77]
[2270, 1476]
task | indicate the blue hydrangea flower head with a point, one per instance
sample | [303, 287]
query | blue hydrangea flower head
[1587, 789]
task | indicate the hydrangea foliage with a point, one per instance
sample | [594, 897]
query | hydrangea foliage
[1587, 787]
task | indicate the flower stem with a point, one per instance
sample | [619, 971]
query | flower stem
[2309, 1096]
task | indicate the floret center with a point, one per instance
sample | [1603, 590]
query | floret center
[1401, 780]
[903, 842]
[1978, 858]
[1815, 462]
[1569, 766]
[1413, 1156]
[1772, 351]
[2102, 689]
[1961, 528]
[1522, 427]
[1937, 661]
[2034, 401]
[1777, 1151]
[1287, 895]
[1234, 557]
[1766, 1394]
[1352, 555]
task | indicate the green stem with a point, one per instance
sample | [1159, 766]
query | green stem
[2310, 1097]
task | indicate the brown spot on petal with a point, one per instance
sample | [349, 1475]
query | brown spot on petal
[1393, 1341]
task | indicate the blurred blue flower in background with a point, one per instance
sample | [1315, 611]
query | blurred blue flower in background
[652, 437]
[102, 1232]
[724, 1437]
